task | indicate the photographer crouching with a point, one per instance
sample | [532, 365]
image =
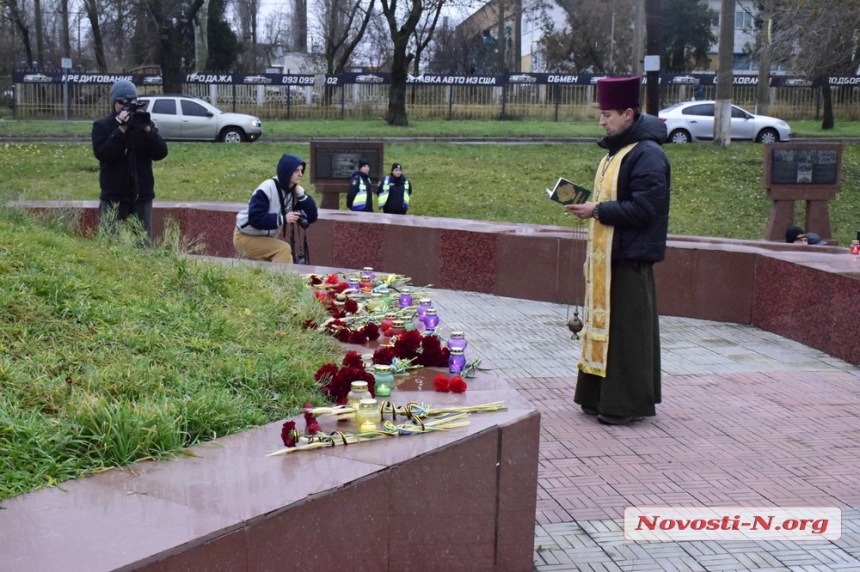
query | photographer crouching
[126, 143]
[277, 203]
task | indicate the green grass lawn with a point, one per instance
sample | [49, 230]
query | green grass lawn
[111, 353]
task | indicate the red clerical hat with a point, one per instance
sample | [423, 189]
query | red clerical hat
[618, 93]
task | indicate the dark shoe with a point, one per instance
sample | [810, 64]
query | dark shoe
[589, 410]
[615, 420]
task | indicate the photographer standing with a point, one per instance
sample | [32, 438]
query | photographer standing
[276, 202]
[126, 143]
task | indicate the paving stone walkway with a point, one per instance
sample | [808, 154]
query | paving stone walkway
[748, 419]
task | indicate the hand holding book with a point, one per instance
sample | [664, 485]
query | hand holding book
[567, 193]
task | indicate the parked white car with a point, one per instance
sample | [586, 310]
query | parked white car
[684, 80]
[369, 78]
[37, 78]
[257, 79]
[694, 121]
[152, 80]
[522, 78]
[186, 118]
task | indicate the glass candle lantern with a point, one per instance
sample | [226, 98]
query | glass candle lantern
[366, 282]
[431, 320]
[367, 362]
[456, 361]
[375, 304]
[353, 284]
[457, 340]
[405, 299]
[387, 322]
[384, 380]
[369, 271]
[423, 304]
[386, 295]
[367, 417]
[397, 327]
[855, 247]
[358, 391]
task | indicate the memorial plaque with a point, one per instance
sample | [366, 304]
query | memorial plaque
[802, 164]
[808, 172]
[336, 161]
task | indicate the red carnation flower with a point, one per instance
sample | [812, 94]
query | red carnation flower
[383, 356]
[358, 337]
[326, 373]
[372, 331]
[440, 383]
[312, 427]
[341, 287]
[315, 280]
[343, 335]
[407, 344]
[350, 307]
[319, 295]
[309, 325]
[353, 359]
[457, 385]
[289, 434]
[331, 279]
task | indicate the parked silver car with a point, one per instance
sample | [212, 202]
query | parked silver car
[694, 121]
[187, 118]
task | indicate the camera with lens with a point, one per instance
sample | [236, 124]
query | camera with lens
[137, 117]
[303, 220]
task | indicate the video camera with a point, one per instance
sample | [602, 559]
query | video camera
[137, 117]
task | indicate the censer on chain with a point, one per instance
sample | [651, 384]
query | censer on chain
[574, 324]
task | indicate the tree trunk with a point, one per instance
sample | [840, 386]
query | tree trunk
[723, 107]
[40, 40]
[396, 114]
[18, 20]
[827, 119]
[66, 48]
[98, 41]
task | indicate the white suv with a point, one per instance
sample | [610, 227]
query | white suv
[187, 118]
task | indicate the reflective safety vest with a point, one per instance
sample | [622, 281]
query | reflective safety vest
[385, 186]
[360, 200]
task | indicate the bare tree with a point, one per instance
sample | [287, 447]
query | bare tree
[819, 39]
[16, 12]
[343, 24]
[248, 12]
[598, 37]
[174, 21]
[92, 9]
[410, 16]
[423, 33]
[455, 50]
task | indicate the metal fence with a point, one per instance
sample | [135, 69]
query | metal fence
[325, 99]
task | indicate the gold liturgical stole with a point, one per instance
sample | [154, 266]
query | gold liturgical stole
[598, 270]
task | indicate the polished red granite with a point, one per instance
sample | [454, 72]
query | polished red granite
[447, 498]
[707, 278]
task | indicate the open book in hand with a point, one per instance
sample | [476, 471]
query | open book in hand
[568, 193]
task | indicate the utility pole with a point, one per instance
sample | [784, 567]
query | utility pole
[652, 32]
[723, 107]
[639, 38]
[763, 88]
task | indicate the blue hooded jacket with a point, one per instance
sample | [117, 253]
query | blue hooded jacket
[262, 217]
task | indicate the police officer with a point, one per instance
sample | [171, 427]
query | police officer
[394, 191]
[360, 194]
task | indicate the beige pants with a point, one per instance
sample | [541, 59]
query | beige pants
[262, 248]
